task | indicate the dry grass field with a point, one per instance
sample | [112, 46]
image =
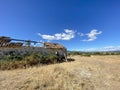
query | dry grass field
[85, 73]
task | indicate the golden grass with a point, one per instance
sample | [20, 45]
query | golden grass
[85, 73]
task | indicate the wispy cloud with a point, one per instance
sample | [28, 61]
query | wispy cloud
[67, 35]
[112, 48]
[92, 35]
[81, 34]
[107, 48]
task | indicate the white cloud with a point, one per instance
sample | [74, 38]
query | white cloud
[67, 35]
[111, 48]
[92, 35]
[81, 34]
[48, 37]
[107, 48]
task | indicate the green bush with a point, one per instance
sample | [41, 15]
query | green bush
[13, 61]
[47, 59]
[13, 57]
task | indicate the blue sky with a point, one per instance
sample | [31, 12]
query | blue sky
[77, 24]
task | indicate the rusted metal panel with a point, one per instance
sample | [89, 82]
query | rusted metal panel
[53, 45]
[5, 39]
[10, 45]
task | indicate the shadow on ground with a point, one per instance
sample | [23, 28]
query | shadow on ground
[70, 59]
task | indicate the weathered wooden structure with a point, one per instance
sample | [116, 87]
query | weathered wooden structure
[18, 46]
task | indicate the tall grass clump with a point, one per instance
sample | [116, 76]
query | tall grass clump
[16, 61]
